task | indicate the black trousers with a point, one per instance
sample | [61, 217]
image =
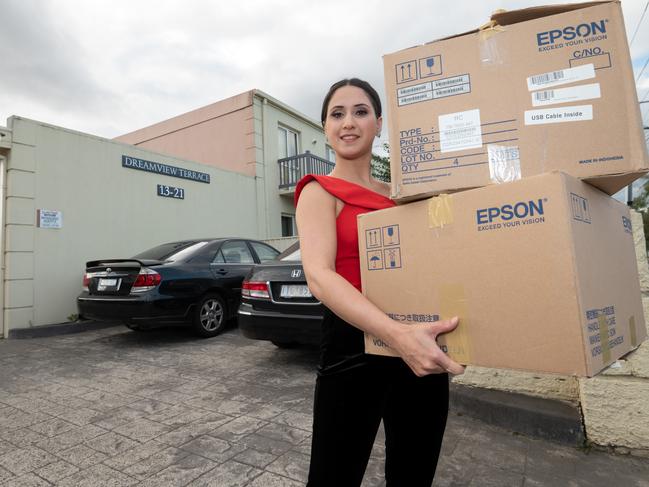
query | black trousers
[352, 397]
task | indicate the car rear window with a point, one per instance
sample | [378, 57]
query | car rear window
[291, 254]
[171, 251]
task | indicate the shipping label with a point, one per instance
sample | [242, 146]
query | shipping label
[431, 90]
[422, 161]
[460, 131]
[559, 115]
[597, 56]
[565, 95]
[561, 77]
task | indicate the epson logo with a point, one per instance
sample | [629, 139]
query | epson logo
[571, 32]
[510, 212]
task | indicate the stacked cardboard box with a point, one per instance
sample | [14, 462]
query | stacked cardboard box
[539, 265]
[536, 90]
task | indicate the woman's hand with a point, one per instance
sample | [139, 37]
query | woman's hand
[417, 346]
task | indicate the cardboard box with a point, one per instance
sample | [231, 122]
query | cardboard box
[542, 273]
[536, 90]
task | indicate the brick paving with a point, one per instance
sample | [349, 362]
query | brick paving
[116, 407]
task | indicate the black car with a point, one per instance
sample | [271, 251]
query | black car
[191, 282]
[276, 303]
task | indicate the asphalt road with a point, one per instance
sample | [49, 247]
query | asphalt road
[116, 407]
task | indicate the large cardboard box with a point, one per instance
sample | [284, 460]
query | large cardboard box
[542, 273]
[536, 90]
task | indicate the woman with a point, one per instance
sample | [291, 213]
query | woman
[354, 391]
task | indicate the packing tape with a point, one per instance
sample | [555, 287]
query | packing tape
[504, 163]
[452, 302]
[488, 45]
[633, 332]
[440, 211]
[489, 29]
[603, 337]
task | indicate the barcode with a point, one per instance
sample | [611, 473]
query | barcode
[542, 79]
[544, 95]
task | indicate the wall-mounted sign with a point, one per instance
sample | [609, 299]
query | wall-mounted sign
[49, 219]
[171, 192]
[159, 168]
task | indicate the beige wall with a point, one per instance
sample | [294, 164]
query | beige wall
[220, 135]
[238, 134]
[108, 211]
[269, 115]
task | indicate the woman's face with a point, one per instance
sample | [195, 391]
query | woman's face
[351, 123]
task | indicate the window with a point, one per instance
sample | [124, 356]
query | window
[288, 143]
[288, 225]
[330, 155]
[171, 251]
[234, 253]
[264, 252]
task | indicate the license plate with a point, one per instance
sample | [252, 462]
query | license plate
[104, 284]
[295, 291]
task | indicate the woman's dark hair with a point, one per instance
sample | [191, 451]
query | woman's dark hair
[358, 83]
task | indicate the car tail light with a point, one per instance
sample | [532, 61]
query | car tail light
[86, 281]
[146, 280]
[253, 289]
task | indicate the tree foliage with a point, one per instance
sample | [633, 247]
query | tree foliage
[381, 165]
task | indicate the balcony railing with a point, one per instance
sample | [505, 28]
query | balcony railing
[292, 169]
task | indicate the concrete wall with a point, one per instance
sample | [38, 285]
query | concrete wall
[615, 404]
[108, 211]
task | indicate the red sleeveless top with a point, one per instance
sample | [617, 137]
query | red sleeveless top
[357, 200]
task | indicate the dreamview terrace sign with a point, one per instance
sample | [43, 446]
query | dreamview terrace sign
[159, 168]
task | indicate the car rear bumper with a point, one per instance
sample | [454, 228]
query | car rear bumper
[144, 310]
[279, 327]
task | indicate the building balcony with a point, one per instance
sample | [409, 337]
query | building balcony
[292, 169]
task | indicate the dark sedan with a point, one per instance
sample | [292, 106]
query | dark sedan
[191, 282]
[276, 304]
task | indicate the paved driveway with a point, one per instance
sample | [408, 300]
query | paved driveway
[115, 407]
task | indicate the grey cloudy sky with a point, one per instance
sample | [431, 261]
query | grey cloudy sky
[110, 67]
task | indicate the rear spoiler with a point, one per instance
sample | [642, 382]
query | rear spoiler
[146, 262]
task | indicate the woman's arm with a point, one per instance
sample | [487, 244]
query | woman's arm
[316, 220]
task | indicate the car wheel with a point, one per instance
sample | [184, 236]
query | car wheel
[209, 316]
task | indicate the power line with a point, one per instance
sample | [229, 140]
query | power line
[639, 22]
[642, 70]
[645, 96]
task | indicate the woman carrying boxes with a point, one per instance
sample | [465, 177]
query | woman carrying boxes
[355, 391]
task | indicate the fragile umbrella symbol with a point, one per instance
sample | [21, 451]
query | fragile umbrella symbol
[374, 260]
